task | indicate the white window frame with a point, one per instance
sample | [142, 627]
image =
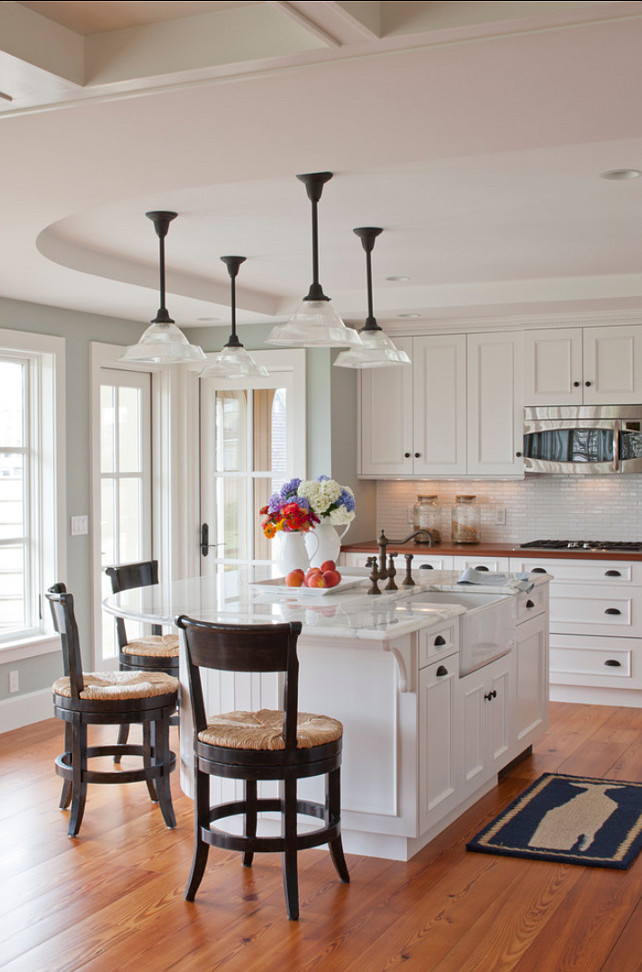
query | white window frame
[48, 494]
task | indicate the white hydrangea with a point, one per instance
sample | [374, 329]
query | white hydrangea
[330, 490]
[341, 516]
[311, 489]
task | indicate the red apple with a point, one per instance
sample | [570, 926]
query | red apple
[310, 573]
[328, 565]
[331, 577]
[316, 580]
[295, 578]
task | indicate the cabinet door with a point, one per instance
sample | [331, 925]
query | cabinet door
[438, 744]
[488, 706]
[531, 679]
[386, 447]
[553, 367]
[612, 365]
[439, 379]
[495, 418]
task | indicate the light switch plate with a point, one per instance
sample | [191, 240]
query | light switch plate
[79, 525]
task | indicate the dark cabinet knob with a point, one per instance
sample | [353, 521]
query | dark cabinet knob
[613, 663]
[441, 671]
[440, 641]
[417, 455]
[612, 573]
[538, 570]
[576, 384]
[588, 384]
[519, 455]
[530, 604]
[489, 696]
[406, 455]
[613, 611]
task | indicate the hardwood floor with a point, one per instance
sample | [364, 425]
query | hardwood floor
[112, 899]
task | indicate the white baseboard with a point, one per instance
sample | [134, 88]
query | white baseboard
[25, 709]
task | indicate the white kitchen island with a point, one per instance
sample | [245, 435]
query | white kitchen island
[421, 742]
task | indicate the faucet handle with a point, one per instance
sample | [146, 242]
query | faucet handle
[408, 581]
[391, 572]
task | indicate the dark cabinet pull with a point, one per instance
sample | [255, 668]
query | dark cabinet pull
[441, 671]
[425, 567]
[440, 641]
[530, 604]
[612, 573]
[491, 695]
[588, 384]
[538, 570]
[576, 384]
[613, 663]
[519, 455]
[481, 567]
[417, 455]
[613, 611]
[406, 455]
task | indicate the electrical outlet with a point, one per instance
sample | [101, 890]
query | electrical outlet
[79, 525]
[14, 683]
[500, 515]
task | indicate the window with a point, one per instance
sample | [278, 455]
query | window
[31, 503]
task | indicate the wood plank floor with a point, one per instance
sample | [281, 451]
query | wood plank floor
[112, 899]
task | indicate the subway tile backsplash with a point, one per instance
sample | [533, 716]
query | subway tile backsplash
[538, 507]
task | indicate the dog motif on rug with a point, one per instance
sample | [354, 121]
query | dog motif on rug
[580, 818]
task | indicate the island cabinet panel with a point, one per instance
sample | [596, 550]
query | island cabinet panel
[439, 743]
[488, 714]
[531, 679]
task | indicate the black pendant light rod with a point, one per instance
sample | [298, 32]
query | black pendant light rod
[314, 183]
[233, 263]
[161, 221]
[368, 235]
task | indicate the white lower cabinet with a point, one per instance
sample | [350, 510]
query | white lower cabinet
[488, 719]
[439, 726]
[531, 678]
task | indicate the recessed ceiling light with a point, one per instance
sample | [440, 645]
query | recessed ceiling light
[408, 315]
[400, 279]
[620, 174]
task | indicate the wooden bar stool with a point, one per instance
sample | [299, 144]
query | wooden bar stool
[283, 744]
[109, 698]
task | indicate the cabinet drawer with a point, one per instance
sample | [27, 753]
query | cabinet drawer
[483, 563]
[442, 670]
[616, 572]
[531, 604]
[606, 662]
[436, 643]
[591, 610]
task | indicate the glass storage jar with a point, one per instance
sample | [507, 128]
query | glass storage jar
[466, 520]
[426, 516]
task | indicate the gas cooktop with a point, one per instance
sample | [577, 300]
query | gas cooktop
[585, 544]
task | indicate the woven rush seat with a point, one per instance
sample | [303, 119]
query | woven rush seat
[119, 685]
[155, 646]
[263, 730]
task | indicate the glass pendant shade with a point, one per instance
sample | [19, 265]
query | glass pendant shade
[315, 323]
[233, 361]
[163, 342]
[376, 349]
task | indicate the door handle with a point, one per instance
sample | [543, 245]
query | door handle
[205, 540]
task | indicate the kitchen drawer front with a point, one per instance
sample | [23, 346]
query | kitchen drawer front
[437, 643]
[484, 563]
[532, 603]
[592, 610]
[620, 573]
[605, 662]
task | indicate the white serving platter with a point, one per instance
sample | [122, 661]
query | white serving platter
[277, 585]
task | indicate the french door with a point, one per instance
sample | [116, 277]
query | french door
[252, 441]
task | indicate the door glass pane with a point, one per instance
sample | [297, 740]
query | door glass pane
[12, 583]
[107, 428]
[12, 415]
[129, 459]
[107, 516]
[129, 520]
[231, 431]
[231, 519]
[11, 496]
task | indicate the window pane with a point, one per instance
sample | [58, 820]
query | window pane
[231, 505]
[129, 548]
[12, 398]
[11, 496]
[231, 431]
[12, 584]
[129, 430]
[107, 428]
[108, 540]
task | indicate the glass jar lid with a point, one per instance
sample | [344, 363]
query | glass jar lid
[429, 499]
[465, 499]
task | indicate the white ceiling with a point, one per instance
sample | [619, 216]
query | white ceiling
[473, 133]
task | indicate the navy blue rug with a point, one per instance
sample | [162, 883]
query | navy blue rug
[571, 819]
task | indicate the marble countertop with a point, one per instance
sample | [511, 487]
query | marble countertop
[238, 597]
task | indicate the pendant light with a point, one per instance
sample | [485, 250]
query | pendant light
[163, 342]
[315, 324]
[377, 350]
[233, 361]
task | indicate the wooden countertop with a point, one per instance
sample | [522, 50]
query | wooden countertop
[494, 550]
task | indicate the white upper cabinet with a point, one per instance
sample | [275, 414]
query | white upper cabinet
[583, 366]
[456, 413]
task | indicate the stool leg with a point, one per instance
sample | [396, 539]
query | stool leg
[149, 745]
[65, 795]
[201, 849]
[123, 736]
[289, 856]
[163, 790]
[250, 818]
[333, 809]
[79, 781]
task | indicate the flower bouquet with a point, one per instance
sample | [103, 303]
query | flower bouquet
[287, 511]
[328, 499]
